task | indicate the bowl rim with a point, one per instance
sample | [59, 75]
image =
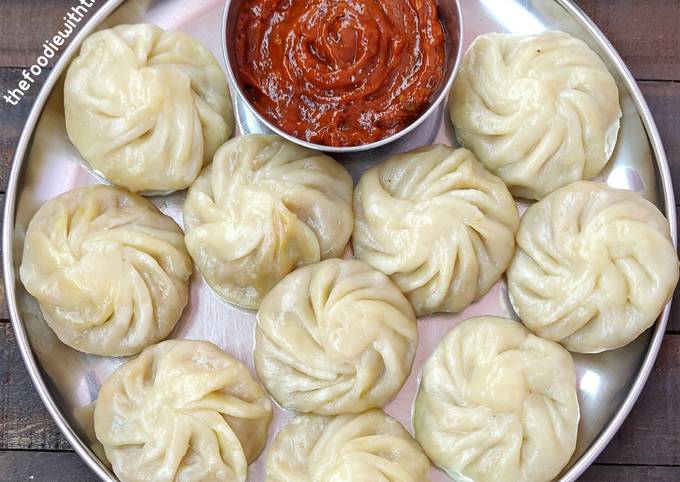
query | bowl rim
[443, 94]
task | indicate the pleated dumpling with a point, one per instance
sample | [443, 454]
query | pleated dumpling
[146, 108]
[496, 403]
[182, 411]
[368, 447]
[334, 337]
[539, 111]
[438, 223]
[594, 267]
[264, 207]
[109, 270]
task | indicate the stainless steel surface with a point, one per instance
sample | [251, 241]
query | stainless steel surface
[450, 15]
[46, 164]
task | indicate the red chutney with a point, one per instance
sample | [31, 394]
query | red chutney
[340, 72]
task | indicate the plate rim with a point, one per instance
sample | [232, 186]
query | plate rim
[614, 424]
[10, 279]
[9, 272]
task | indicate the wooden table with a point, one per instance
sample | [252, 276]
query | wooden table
[646, 34]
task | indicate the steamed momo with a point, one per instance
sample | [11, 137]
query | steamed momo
[182, 411]
[594, 267]
[438, 223]
[262, 208]
[109, 270]
[334, 337]
[368, 447]
[146, 108]
[539, 111]
[497, 404]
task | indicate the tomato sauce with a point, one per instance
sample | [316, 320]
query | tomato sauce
[340, 72]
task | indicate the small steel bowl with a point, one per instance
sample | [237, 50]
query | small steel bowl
[451, 18]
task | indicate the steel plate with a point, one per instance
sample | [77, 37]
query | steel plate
[46, 164]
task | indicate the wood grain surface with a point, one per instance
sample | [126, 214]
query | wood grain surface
[647, 448]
